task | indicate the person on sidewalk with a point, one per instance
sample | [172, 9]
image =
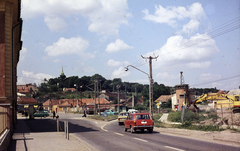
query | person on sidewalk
[84, 113]
[53, 114]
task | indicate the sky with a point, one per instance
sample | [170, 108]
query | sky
[87, 37]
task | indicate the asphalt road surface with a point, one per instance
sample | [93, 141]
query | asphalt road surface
[111, 136]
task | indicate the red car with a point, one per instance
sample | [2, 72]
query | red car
[139, 121]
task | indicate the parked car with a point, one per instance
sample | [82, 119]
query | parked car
[110, 112]
[139, 121]
[41, 114]
[122, 117]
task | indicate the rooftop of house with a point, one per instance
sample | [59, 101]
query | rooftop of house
[25, 100]
[163, 98]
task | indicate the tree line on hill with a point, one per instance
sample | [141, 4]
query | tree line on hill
[86, 84]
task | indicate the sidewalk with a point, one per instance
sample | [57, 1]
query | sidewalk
[29, 135]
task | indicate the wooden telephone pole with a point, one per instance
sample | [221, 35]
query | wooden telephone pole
[150, 82]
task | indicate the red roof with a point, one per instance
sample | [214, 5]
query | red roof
[24, 100]
[70, 89]
[26, 88]
[73, 102]
[54, 102]
[163, 98]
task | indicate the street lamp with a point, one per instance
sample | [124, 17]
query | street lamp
[150, 86]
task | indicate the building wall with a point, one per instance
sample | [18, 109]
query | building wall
[10, 45]
[174, 101]
[180, 95]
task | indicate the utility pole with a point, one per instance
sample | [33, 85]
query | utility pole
[118, 86]
[95, 97]
[150, 82]
[98, 98]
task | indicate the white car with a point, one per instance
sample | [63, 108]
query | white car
[132, 111]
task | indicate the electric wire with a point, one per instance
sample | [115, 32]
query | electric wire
[216, 80]
[221, 30]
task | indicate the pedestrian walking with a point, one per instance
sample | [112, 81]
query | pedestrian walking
[53, 114]
[84, 113]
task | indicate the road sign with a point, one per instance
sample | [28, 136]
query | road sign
[104, 114]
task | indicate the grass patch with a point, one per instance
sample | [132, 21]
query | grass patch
[158, 123]
[190, 117]
[188, 125]
[100, 117]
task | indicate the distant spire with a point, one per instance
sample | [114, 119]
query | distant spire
[62, 71]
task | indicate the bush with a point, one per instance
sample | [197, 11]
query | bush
[156, 117]
[174, 116]
[212, 115]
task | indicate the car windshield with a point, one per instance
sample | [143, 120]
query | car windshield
[144, 116]
[124, 114]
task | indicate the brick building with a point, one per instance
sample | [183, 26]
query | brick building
[10, 45]
[182, 93]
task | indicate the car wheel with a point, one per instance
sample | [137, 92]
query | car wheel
[142, 130]
[150, 130]
[125, 129]
[132, 130]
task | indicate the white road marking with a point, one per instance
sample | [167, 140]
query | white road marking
[173, 148]
[119, 134]
[103, 128]
[140, 139]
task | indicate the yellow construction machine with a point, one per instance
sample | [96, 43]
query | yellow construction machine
[214, 96]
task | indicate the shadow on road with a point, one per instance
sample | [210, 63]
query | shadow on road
[50, 125]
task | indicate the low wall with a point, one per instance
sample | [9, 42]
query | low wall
[5, 140]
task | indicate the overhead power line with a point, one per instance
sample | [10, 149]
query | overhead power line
[216, 80]
[220, 30]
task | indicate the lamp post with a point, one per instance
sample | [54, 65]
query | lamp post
[150, 86]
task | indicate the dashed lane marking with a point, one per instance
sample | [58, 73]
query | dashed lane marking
[141, 139]
[174, 148]
[119, 134]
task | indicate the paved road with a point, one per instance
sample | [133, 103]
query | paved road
[111, 136]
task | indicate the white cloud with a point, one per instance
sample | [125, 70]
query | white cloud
[104, 16]
[113, 63]
[23, 53]
[200, 65]
[56, 60]
[191, 26]
[119, 73]
[74, 45]
[171, 14]
[31, 77]
[206, 77]
[177, 50]
[166, 75]
[55, 23]
[118, 45]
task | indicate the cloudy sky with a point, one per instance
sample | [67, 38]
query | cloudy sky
[86, 37]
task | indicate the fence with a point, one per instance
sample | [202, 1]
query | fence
[3, 119]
